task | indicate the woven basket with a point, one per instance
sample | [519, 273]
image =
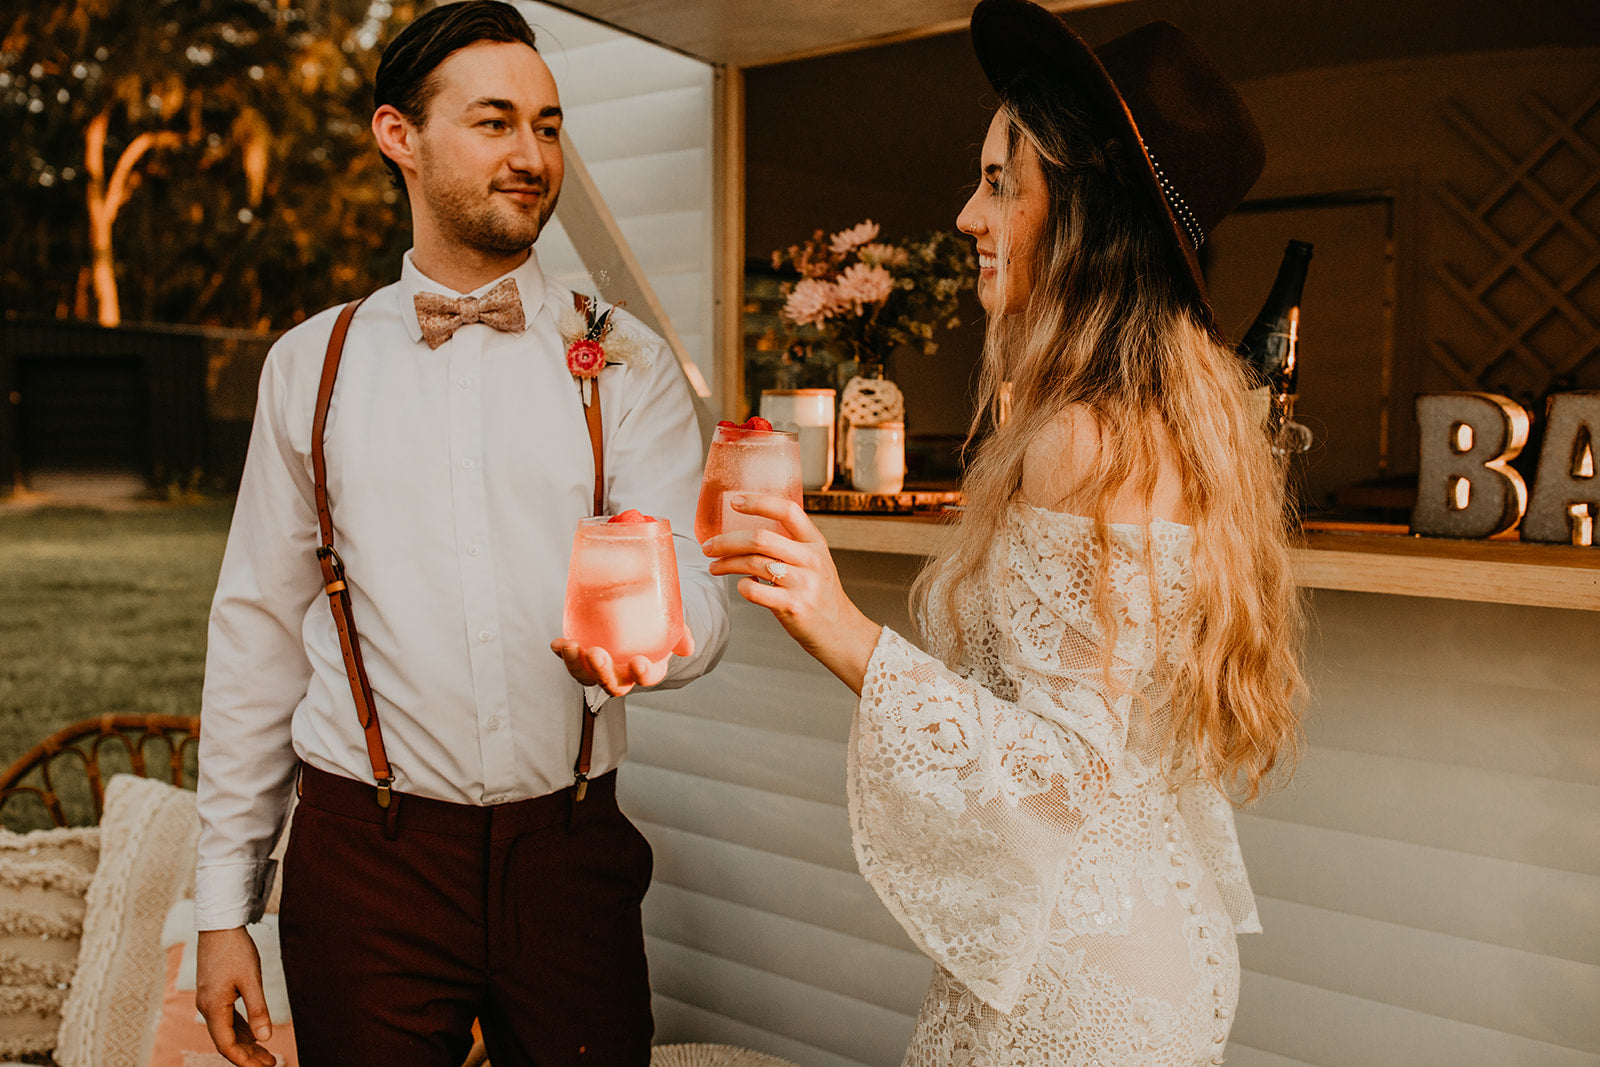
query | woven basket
[713, 1056]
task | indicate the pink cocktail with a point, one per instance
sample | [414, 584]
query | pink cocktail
[622, 589]
[746, 462]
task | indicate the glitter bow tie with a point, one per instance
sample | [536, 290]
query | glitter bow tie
[440, 316]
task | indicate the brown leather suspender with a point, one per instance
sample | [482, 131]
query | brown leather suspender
[333, 581]
[333, 576]
[591, 415]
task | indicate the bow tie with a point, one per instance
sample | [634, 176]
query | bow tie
[440, 316]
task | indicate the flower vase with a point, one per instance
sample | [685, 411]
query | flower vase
[868, 399]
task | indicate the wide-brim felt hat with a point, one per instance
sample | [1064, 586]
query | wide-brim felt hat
[1197, 152]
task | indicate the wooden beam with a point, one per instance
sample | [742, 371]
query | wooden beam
[1491, 572]
[753, 33]
[616, 271]
[728, 223]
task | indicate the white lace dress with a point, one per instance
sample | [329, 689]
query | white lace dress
[1030, 826]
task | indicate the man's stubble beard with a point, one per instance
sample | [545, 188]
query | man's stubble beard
[479, 223]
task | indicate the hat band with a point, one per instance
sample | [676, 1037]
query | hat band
[1191, 226]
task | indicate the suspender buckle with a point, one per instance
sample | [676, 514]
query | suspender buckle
[332, 570]
[580, 785]
[383, 791]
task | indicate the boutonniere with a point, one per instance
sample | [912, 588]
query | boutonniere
[594, 343]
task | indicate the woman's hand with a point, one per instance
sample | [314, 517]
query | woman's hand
[804, 594]
[593, 666]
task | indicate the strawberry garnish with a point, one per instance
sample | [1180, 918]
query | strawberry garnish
[632, 515]
[756, 422]
[729, 423]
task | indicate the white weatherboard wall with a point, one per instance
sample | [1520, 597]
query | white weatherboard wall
[641, 118]
[1429, 883]
[761, 932]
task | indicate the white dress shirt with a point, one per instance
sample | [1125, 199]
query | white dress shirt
[456, 477]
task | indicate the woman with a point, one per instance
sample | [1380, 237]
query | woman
[1043, 801]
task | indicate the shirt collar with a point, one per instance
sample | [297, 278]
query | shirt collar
[528, 276]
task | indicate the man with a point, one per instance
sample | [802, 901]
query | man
[444, 865]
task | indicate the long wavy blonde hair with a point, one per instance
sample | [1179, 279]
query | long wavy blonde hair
[1112, 328]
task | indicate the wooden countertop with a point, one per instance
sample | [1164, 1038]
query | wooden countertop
[1495, 572]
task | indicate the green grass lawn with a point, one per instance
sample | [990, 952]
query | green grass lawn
[103, 611]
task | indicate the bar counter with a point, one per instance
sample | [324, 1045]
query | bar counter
[1334, 557]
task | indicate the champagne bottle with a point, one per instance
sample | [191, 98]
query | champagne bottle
[1270, 348]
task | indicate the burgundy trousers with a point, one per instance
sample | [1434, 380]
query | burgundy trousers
[399, 927]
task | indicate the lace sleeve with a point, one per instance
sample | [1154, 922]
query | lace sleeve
[964, 806]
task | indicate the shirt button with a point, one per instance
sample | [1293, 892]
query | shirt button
[474, 551]
[466, 464]
[465, 383]
[485, 635]
[494, 723]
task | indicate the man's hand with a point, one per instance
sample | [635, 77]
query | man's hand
[227, 968]
[593, 666]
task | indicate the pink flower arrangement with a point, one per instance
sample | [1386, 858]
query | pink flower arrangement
[811, 302]
[849, 240]
[873, 296]
[862, 286]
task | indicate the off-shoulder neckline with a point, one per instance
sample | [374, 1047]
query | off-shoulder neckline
[1088, 521]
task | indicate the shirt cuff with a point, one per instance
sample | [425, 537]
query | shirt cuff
[231, 895]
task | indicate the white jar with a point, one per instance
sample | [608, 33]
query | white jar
[880, 458]
[808, 412]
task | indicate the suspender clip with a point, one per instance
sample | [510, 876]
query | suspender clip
[383, 791]
[332, 570]
[332, 567]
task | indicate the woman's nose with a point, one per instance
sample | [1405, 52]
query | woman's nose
[970, 220]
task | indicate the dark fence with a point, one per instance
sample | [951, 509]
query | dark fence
[170, 403]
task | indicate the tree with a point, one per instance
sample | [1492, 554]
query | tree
[202, 161]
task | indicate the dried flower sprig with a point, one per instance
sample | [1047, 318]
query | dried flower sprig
[594, 342]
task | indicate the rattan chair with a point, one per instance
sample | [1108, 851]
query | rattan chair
[68, 761]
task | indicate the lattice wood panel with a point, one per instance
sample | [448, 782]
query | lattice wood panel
[1533, 314]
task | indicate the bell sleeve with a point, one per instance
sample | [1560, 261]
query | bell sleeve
[965, 807]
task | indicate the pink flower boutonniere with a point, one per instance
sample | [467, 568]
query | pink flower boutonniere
[594, 343]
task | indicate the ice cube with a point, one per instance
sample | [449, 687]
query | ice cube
[635, 625]
[769, 470]
[603, 564]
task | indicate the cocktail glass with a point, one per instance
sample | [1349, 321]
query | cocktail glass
[746, 462]
[622, 589]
